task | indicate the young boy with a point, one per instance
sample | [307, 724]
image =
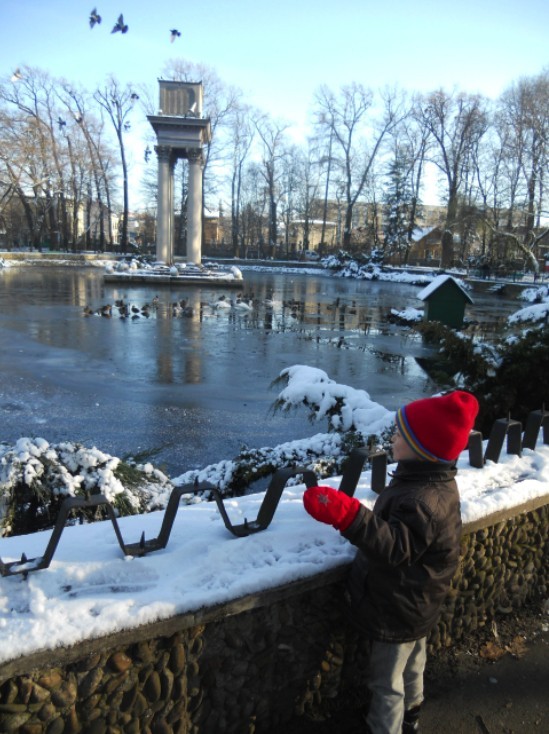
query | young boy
[408, 551]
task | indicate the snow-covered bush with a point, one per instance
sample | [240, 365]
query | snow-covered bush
[36, 477]
[509, 377]
[538, 310]
[353, 420]
[346, 408]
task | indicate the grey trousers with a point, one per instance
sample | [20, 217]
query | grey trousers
[395, 682]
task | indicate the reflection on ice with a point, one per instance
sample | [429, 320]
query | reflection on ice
[195, 388]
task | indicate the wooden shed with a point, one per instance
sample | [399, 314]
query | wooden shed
[445, 300]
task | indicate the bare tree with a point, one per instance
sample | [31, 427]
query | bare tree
[412, 139]
[358, 134]
[272, 136]
[81, 121]
[308, 185]
[253, 217]
[240, 138]
[118, 102]
[523, 119]
[455, 123]
[36, 154]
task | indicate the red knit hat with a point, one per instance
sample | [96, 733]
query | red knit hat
[438, 429]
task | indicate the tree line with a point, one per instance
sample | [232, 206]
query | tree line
[64, 165]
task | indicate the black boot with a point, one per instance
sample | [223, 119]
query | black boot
[410, 725]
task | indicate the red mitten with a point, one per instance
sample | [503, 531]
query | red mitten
[331, 506]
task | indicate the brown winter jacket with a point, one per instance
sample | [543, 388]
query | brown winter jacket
[408, 552]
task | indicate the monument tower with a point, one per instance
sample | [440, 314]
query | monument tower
[181, 132]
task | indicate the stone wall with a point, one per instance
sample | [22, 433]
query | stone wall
[249, 666]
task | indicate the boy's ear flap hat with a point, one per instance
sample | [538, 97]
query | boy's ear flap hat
[438, 429]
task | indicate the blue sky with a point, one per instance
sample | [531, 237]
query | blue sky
[280, 52]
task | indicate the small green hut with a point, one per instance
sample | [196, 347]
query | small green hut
[445, 301]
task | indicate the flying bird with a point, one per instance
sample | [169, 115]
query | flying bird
[94, 18]
[120, 25]
[61, 122]
[192, 109]
[134, 97]
[174, 33]
[17, 75]
[147, 154]
[79, 119]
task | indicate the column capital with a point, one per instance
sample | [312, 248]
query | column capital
[163, 152]
[195, 156]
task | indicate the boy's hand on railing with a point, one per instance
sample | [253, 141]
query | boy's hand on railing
[331, 506]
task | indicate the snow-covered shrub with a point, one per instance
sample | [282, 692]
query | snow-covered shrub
[345, 408]
[36, 477]
[536, 313]
[509, 377]
[353, 420]
[535, 295]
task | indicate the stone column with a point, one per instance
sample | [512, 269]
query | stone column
[164, 229]
[194, 208]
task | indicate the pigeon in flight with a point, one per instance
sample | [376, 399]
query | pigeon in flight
[61, 122]
[134, 97]
[94, 18]
[120, 25]
[147, 154]
[17, 75]
[174, 33]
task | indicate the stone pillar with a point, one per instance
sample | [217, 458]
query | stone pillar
[164, 228]
[194, 208]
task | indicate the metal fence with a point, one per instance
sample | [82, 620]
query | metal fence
[505, 429]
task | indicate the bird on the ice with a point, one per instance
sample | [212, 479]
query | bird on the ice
[174, 33]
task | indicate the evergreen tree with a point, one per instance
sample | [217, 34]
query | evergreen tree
[400, 209]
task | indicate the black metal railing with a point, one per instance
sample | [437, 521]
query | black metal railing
[505, 428]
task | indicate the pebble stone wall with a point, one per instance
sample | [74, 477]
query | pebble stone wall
[250, 666]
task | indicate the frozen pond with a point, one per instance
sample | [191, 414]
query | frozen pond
[195, 388]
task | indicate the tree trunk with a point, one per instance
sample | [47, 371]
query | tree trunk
[447, 257]
[348, 226]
